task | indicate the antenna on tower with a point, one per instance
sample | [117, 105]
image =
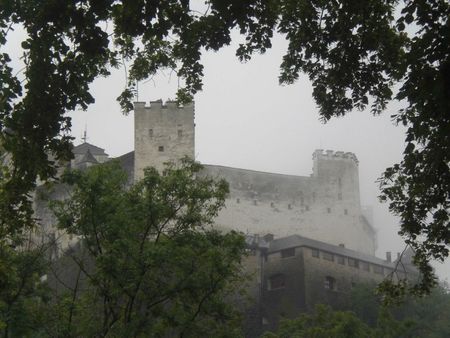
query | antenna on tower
[84, 137]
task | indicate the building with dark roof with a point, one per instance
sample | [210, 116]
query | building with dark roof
[293, 273]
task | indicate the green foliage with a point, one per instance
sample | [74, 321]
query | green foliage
[354, 52]
[20, 289]
[323, 323]
[415, 317]
[152, 266]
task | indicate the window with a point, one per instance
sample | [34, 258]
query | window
[330, 283]
[302, 201]
[307, 207]
[353, 262]
[327, 256]
[277, 282]
[315, 253]
[340, 260]
[340, 196]
[364, 266]
[180, 133]
[150, 132]
[378, 269]
[329, 210]
[339, 182]
[345, 212]
[161, 148]
[288, 253]
[314, 196]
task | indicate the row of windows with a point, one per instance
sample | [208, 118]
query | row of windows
[355, 263]
[272, 205]
[279, 282]
[179, 133]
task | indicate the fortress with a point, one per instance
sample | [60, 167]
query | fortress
[324, 206]
[308, 239]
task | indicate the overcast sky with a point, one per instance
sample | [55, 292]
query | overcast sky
[245, 119]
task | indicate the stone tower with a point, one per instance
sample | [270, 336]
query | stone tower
[337, 178]
[162, 133]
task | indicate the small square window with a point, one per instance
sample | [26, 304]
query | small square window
[365, 266]
[329, 210]
[330, 283]
[345, 212]
[288, 253]
[378, 269]
[277, 282]
[353, 263]
[161, 148]
[180, 133]
[340, 259]
[327, 256]
[315, 253]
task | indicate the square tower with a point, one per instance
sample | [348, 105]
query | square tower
[162, 133]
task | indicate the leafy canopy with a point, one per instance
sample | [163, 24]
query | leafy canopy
[148, 263]
[354, 52]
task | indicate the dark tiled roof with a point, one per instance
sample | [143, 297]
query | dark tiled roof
[299, 241]
[84, 147]
[88, 158]
[127, 163]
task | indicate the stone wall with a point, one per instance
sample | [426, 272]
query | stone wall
[324, 206]
[314, 274]
[163, 133]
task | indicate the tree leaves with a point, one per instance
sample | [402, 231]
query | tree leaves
[157, 267]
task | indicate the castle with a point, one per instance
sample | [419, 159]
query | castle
[320, 243]
[324, 206]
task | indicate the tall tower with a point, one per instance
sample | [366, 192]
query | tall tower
[162, 133]
[337, 179]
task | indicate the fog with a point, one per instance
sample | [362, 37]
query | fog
[245, 119]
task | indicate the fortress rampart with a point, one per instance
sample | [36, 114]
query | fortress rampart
[317, 207]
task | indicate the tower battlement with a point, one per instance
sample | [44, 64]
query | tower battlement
[334, 155]
[159, 104]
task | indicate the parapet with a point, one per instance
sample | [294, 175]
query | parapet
[158, 105]
[334, 155]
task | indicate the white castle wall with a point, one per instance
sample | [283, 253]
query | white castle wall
[322, 207]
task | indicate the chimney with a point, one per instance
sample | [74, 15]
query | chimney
[388, 257]
[342, 245]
